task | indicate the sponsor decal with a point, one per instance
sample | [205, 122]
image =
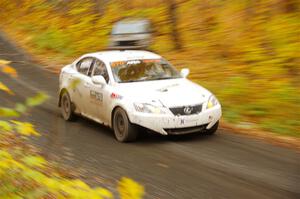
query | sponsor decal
[115, 96]
[133, 62]
[117, 63]
[96, 96]
[151, 60]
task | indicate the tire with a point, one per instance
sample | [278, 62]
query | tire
[123, 129]
[66, 107]
[213, 129]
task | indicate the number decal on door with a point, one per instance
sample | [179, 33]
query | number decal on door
[96, 96]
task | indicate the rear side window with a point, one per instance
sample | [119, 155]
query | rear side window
[84, 65]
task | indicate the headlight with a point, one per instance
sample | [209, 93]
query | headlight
[148, 108]
[212, 101]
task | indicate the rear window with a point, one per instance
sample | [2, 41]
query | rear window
[131, 27]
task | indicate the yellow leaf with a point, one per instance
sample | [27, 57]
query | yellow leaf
[5, 126]
[79, 184]
[25, 128]
[5, 155]
[4, 62]
[6, 89]
[104, 193]
[129, 189]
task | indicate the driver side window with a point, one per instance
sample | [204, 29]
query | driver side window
[100, 69]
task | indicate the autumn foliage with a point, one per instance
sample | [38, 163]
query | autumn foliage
[24, 173]
[246, 52]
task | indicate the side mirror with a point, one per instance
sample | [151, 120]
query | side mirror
[99, 80]
[185, 72]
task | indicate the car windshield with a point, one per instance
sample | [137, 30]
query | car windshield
[143, 70]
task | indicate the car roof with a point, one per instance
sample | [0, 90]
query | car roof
[123, 55]
[132, 21]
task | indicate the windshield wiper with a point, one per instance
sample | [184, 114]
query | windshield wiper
[162, 78]
[137, 80]
[150, 79]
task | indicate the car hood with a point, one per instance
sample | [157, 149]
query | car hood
[171, 93]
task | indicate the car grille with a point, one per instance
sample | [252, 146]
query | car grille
[128, 43]
[186, 130]
[186, 110]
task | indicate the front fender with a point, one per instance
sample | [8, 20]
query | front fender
[127, 106]
[61, 91]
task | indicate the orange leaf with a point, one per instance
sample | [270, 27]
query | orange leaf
[9, 70]
[5, 68]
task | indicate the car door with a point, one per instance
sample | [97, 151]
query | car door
[81, 83]
[99, 94]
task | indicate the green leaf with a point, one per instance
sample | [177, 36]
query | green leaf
[36, 193]
[33, 174]
[34, 161]
[21, 108]
[37, 99]
[8, 112]
[5, 126]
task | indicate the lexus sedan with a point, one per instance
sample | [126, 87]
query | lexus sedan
[128, 89]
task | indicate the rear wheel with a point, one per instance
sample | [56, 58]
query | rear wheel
[66, 107]
[123, 129]
[213, 129]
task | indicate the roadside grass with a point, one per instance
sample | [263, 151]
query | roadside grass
[246, 54]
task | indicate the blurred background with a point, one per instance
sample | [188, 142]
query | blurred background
[247, 52]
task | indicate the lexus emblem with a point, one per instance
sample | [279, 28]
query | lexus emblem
[188, 110]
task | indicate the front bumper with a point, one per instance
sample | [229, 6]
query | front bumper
[169, 124]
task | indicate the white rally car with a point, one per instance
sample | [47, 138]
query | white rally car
[128, 89]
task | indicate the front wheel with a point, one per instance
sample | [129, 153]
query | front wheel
[123, 129]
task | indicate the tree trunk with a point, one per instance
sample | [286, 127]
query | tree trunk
[99, 7]
[172, 8]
